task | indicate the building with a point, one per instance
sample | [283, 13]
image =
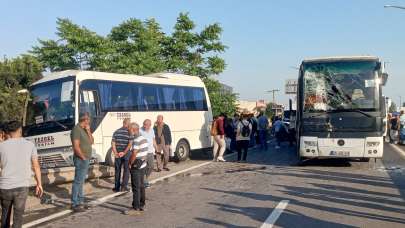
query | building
[226, 89]
[257, 106]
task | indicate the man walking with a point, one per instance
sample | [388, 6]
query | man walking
[263, 130]
[82, 139]
[163, 137]
[243, 134]
[219, 139]
[18, 157]
[121, 146]
[148, 133]
[138, 164]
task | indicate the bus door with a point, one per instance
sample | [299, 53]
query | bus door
[89, 102]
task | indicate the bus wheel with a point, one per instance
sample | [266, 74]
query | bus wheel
[365, 159]
[110, 158]
[182, 150]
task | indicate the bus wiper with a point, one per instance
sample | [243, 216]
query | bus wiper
[356, 110]
[320, 114]
[59, 124]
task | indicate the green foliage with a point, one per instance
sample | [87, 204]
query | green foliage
[16, 74]
[136, 47]
[392, 108]
[220, 102]
[140, 47]
[269, 112]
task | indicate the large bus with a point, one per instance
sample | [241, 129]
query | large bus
[340, 108]
[57, 99]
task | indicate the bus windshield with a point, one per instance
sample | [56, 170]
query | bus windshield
[51, 105]
[345, 85]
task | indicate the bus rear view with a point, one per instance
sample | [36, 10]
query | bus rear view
[340, 108]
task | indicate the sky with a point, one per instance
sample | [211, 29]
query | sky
[266, 39]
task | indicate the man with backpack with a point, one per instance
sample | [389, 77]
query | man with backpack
[243, 133]
[218, 132]
[280, 131]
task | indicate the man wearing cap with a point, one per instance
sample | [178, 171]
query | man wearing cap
[82, 140]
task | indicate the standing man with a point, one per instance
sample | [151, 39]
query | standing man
[280, 131]
[121, 144]
[394, 123]
[219, 139]
[18, 157]
[163, 137]
[263, 130]
[138, 164]
[243, 133]
[82, 139]
[149, 134]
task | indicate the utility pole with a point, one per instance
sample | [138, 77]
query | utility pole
[273, 91]
[400, 103]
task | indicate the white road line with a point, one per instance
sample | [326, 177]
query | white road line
[108, 197]
[399, 150]
[271, 220]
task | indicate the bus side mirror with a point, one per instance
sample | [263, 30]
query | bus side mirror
[384, 78]
[383, 106]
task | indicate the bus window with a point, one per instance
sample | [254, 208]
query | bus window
[89, 103]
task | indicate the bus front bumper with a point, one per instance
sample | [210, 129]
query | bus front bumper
[370, 147]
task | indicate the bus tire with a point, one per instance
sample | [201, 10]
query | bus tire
[365, 159]
[110, 158]
[182, 150]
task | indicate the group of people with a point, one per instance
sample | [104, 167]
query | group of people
[134, 149]
[396, 126]
[244, 131]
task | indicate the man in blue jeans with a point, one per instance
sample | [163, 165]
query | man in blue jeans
[18, 157]
[82, 140]
[121, 144]
[263, 130]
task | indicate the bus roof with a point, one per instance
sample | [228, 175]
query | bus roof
[340, 58]
[150, 78]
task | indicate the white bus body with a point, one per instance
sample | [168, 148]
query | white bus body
[58, 98]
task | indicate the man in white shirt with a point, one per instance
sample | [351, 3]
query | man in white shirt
[149, 134]
[18, 158]
[137, 164]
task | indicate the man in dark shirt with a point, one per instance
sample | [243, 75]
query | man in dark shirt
[121, 146]
[82, 140]
[163, 137]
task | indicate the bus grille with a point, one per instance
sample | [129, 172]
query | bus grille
[52, 161]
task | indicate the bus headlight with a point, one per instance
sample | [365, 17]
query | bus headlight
[310, 143]
[372, 144]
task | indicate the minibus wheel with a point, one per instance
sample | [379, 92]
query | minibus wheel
[110, 158]
[182, 150]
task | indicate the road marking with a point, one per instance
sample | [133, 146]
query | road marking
[399, 150]
[271, 220]
[108, 197]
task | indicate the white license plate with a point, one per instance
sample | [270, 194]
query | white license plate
[340, 153]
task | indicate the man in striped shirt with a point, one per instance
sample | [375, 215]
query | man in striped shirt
[121, 146]
[137, 163]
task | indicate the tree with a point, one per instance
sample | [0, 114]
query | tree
[140, 47]
[269, 111]
[16, 74]
[393, 107]
[220, 102]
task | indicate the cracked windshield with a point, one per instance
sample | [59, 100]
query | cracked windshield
[341, 86]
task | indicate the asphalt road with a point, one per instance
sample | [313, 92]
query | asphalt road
[321, 193]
